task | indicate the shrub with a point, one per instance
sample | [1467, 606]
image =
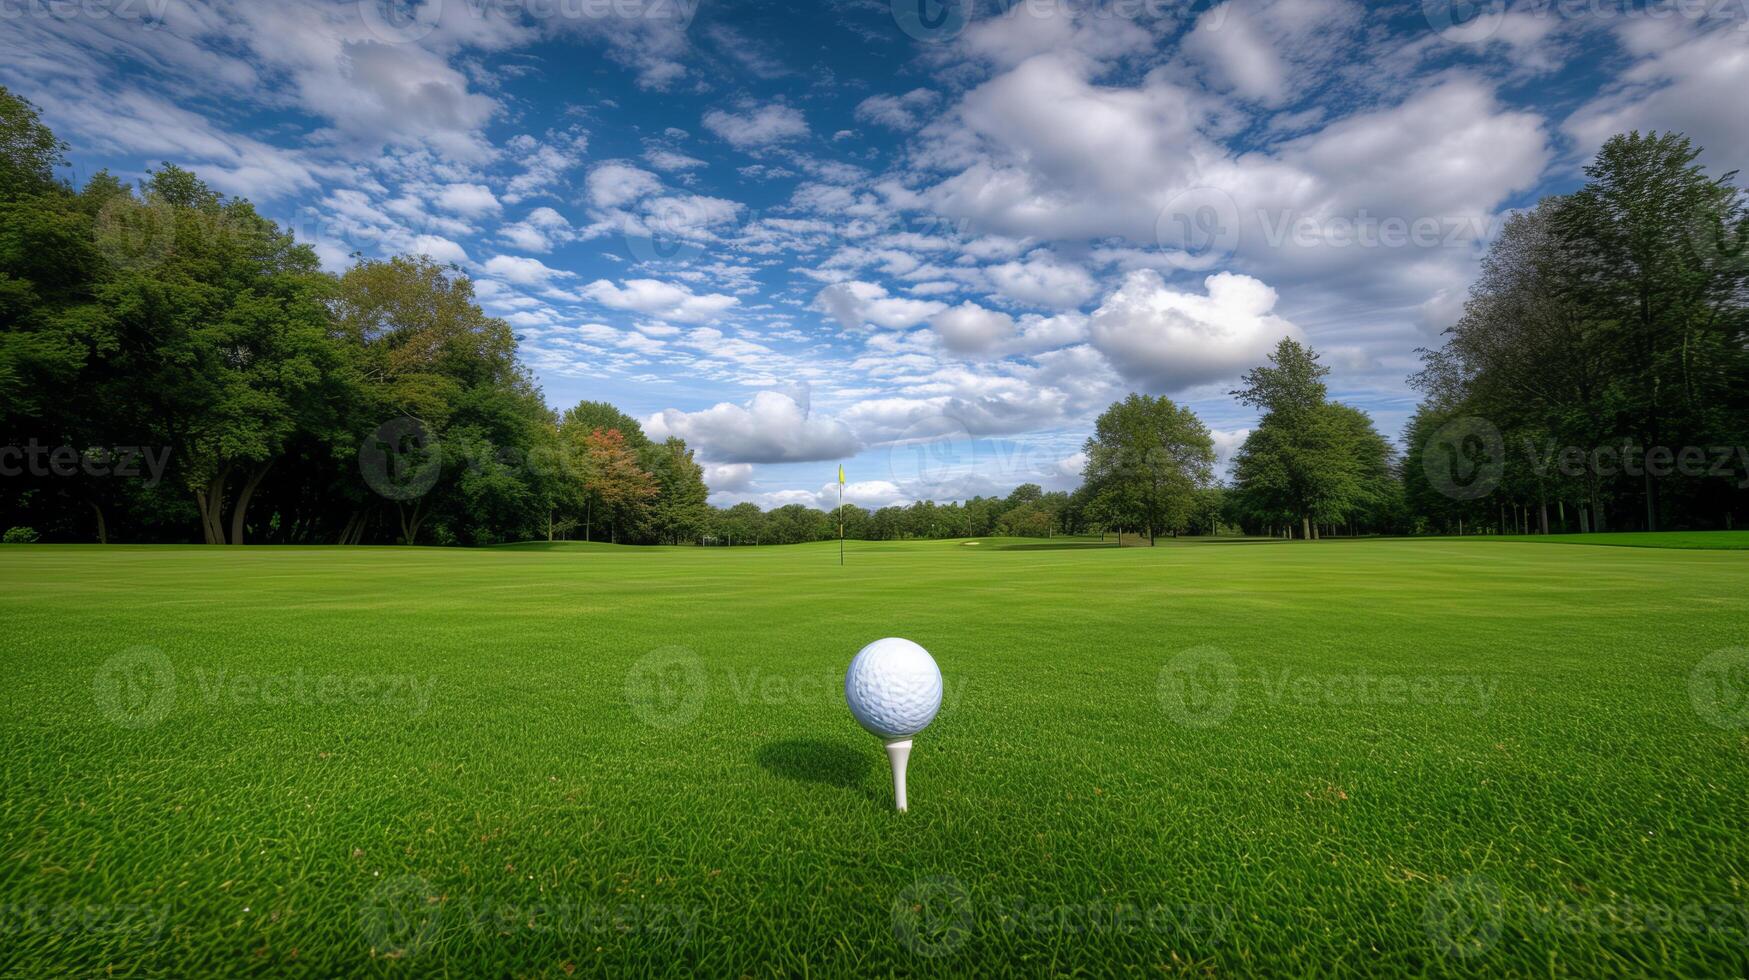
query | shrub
[20, 535]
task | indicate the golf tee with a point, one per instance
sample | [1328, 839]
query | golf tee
[899, 753]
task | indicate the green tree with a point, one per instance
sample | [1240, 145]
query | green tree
[223, 322]
[1146, 462]
[679, 511]
[29, 150]
[1309, 461]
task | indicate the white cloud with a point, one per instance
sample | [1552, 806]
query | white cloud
[523, 271]
[1276, 49]
[538, 232]
[898, 111]
[1676, 85]
[440, 249]
[728, 477]
[471, 200]
[772, 428]
[544, 163]
[670, 160]
[1169, 340]
[615, 183]
[1041, 280]
[856, 304]
[969, 328]
[757, 126]
[666, 300]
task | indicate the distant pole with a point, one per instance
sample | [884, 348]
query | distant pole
[841, 520]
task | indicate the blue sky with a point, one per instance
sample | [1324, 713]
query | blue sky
[930, 242]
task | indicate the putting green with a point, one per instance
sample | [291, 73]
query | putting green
[1346, 756]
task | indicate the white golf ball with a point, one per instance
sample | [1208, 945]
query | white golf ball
[894, 688]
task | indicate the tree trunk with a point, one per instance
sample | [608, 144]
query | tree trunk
[102, 528]
[210, 501]
[1305, 527]
[1543, 516]
[248, 491]
[410, 522]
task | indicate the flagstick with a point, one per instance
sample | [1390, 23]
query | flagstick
[841, 519]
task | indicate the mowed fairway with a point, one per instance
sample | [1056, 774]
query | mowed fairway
[1344, 757]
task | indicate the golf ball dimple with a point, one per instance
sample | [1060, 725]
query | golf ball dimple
[893, 687]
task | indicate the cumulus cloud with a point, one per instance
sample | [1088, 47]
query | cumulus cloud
[440, 249]
[757, 126]
[772, 428]
[1271, 50]
[728, 477]
[538, 232]
[666, 300]
[614, 184]
[1674, 87]
[1169, 340]
[1041, 280]
[856, 304]
[969, 328]
[900, 112]
[524, 271]
[671, 160]
[471, 200]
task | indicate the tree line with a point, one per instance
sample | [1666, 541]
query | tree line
[174, 335]
[1599, 377]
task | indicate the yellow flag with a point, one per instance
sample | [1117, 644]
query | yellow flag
[840, 474]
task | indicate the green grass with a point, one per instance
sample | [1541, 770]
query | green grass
[1690, 540]
[627, 761]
